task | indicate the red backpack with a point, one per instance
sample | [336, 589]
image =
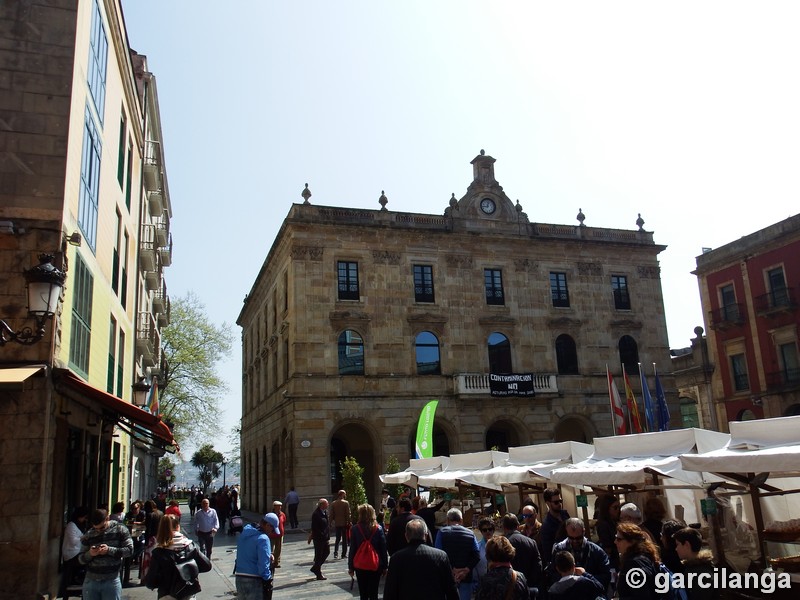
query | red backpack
[366, 559]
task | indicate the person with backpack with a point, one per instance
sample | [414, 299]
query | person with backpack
[254, 573]
[639, 563]
[175, 563]
[368, 558]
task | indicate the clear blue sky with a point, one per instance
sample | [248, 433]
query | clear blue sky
[685, 112]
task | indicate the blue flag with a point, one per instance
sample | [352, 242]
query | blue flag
[663, 409]
[648, 402]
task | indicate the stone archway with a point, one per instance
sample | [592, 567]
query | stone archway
[353, 439]
[501, 435]
[573, 429]
[441, 441]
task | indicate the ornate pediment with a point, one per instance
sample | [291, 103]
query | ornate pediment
[306, 253]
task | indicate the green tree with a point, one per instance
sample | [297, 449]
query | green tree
[189, 387]
[353, 484]
[393, 466]
[208, 461]
[166, 464]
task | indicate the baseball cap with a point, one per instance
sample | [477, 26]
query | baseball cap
[272, 519]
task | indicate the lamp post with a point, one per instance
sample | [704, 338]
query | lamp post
[140, 390]
[44, 283]
[224, 463]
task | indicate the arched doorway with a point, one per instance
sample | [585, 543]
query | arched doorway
[573, 429]
[353, 439]
[441, 443]
[502, 435]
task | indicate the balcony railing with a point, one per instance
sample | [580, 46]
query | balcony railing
[152, 166]
[155, 201]
[478, 383]
[778, 300]
[147, 248]
[164, 316]
[160, 298]
[781, 380]
[725, 317]
[148, 339]
[165, 252]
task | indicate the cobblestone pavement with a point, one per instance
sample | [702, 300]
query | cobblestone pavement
[292, 580]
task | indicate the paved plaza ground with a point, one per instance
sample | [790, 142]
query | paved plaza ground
[293, 580]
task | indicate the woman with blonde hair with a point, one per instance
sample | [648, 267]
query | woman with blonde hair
[173, 547]
[636, 552]
[367, 531]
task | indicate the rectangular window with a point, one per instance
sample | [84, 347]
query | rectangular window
[558, 289]
[121, 151]
[98, 59]
[790, 363]
[493, 286]
[82, 287]
[129, 177]
[423, 283]
[115, 258]
[727, 299]
[123, 292]
[778, 294]
[619, 285]
[739, 372]
[112, 359]
[348, 280]
[120, 362]
[90, 182]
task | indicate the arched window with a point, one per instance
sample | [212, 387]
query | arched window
[427, 349]
[351, 353]
[566, 355]
[629, 354]
[499, 353]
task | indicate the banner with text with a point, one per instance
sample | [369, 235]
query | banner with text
[513, 384]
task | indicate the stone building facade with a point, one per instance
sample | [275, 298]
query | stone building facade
[749, 294]
[81, 178]
[359, 317]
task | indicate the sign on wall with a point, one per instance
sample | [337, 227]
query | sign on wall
[513, 384]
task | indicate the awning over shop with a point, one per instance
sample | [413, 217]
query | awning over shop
[14, 377]
[138, 423]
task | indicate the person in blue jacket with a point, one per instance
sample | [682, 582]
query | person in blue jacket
[254, 560]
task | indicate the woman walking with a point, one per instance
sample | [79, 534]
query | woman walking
[173, 547]
[367, 531]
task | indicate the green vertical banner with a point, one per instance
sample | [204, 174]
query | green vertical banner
[424, 446]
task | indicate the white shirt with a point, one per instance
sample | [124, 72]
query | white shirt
[71, 546]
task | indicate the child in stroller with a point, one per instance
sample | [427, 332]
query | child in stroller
[235, 523]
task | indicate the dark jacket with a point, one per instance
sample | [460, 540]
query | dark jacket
[591, 557]
[162, 573]
[577, 587]
[420, 572]
[552, 531]
[461, 547]
[606, 532]
[396, 539]
[527, 559]
[428, 514]
[494, 585]
[646, 591]
[702, 564]
[358, 533]
[319, 525]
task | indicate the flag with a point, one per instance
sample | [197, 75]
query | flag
[661, 402]
[152, 404]
[617, 414]
[633, 409]
[649, 417]
[424, 445]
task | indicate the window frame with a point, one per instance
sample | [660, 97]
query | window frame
[81, 327]
[348, 286]
[739, 372]
[347, 348]
[566, 358]
[493, 287]
[89, 195]
[437, 369]
[559, 289]
[621, 292]
[423, 284]
[98, 61]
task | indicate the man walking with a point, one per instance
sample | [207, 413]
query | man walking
[589, 557]
[254, 575]
[461, 547]
[396, 539]
[321, 536]
[292, 501]
[340, 510]
[103, 548]
[418, 570]
[553, 529]
[206, 524]
[276, 537]
[527, 559]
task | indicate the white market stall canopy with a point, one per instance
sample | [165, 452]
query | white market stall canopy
[758, 446]
[627, 459]
[461, 467]
[531, 464]
[417, 467]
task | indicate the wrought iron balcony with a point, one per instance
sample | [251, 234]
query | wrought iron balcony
[165, 252]
[725, 317]
[148, 339]
[152, 166]
[155, 201]
[147, 248]
[783, 380]
[777, 301]
[478, 383]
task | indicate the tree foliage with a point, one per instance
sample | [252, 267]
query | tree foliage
[208, 461]
[393, 466]
[166, 464]
[190, 389]
[353, 484]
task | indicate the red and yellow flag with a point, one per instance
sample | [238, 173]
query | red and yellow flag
[633, 408]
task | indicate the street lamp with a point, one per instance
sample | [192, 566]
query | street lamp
[140, 390]
[44, 283]
[224, 463]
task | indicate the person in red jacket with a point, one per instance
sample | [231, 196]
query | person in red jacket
[276, 537]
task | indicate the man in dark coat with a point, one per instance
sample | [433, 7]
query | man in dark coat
[461, 547]
[588, 556]
[396, 538]
[320, 535]
[418, 570]
[553, 529]
[527, 559]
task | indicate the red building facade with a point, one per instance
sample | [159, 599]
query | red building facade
[749, 292]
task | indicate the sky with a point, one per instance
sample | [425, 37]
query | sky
[685, 112]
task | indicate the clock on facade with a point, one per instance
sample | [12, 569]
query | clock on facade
[488, 206]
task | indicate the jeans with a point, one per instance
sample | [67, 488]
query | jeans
[465, 590]
[341, 535]
[253, 588]
[106, 589]
[293, 522]
[206, 542]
